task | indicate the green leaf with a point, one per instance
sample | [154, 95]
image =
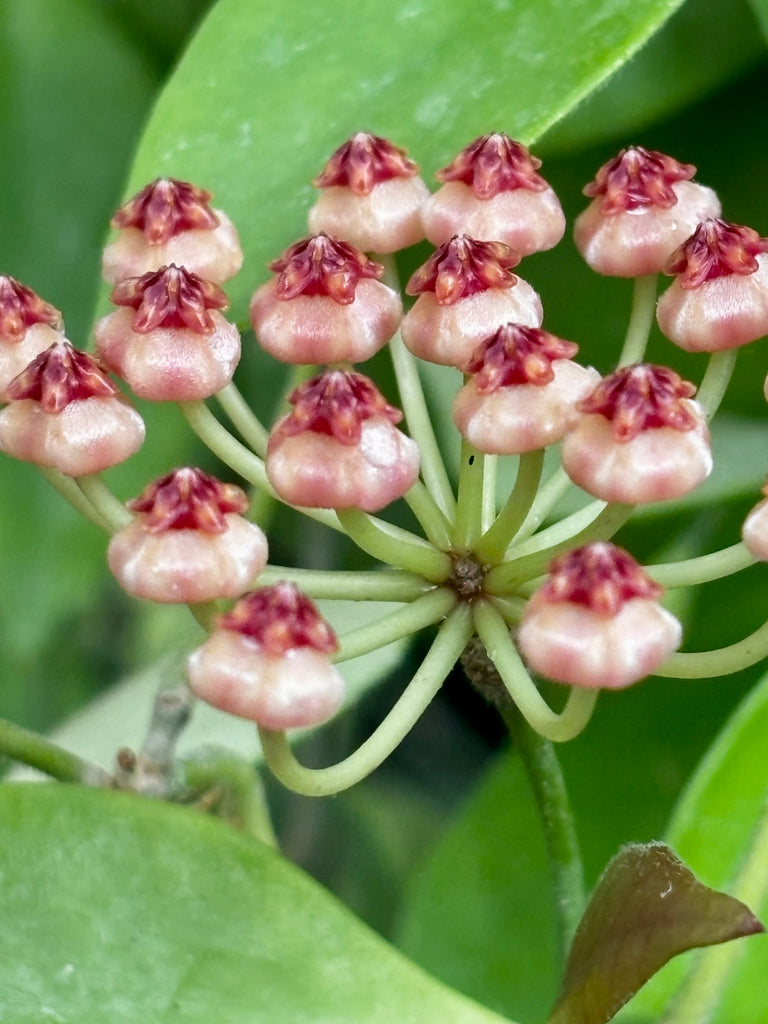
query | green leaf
[638, 95]
[760, 7]
[116, 908]
[646, 908]
[266, 92]
[490, 873]
[75, 91]
[720, 827]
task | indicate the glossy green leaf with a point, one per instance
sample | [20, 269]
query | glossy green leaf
[720, 827]
[114, 908]
[490, 873]
[266, 92]
[646, 908]
[760, 7]
[667, 75]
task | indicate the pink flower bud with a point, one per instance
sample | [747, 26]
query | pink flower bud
[754, 532]
[597, 622]
[170, 221]
[66, 413]
[339, 447]
[492, 191]
[170, 343]
[641, 438]
[268, 661]
[371, 197]
[523, 391]
[719, 298]
[188, 543]
[325, 306]
[644, 206]
[28, 326]
[466, 291]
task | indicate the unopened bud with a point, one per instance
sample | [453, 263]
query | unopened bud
[372, 196]
[339, 447]
[325, 305]
[492, 191]
[523, 391]
[171, 221]
[65, 412]
[640, 439]
[189, 542]
[719, 298]
[597, 622]
[466, 291]
[28, 326]
[269, 661]
[643, 207]
[170, 343]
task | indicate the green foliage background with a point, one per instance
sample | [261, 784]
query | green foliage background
[80, 79]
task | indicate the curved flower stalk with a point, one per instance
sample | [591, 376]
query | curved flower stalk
[472, 568]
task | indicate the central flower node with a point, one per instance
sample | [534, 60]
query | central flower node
[467, 576]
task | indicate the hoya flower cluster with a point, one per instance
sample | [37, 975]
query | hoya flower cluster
[340, 450]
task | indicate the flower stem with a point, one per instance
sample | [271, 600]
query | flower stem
[494, 633]
[489, 492]
[548, 785]
[424, 611]
[703, 569]
[582, 527]
[446, 648]
[420, 426]
[548, 496]
[69, 490]
[716, 379]
[384, 585]
[640, 320]
[243, 417]
[394, 546]
[497, 539]
[110, 508]
[35, 750]
[431, 519]
[415, 406]
[238, 792]
[468, 523]
[721, 662]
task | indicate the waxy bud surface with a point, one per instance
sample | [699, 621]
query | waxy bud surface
[597, 622]
[643, 207]
[372, 195]
[170, 343]
[339, 447]
[523, 391]
[719, 298]
[28, 326]
[640, 439]
[65, 412]
[466, 291]
[492, 191]
[269, 661]
[325, 305]
[171, 221]
[189, 542]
